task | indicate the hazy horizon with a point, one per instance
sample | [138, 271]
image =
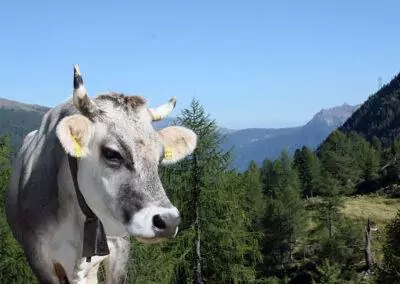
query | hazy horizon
[224, 126]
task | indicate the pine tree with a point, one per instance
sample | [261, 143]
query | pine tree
[308, 167]
[255, 203]
[376, 144]
[284, 220]
[254, 206]
[328, 273]
[331, 204]
[366, 156]
[340, 158]
[395, 148]
[267, 175]
[391, 161]
[205, 165]
[371, 164]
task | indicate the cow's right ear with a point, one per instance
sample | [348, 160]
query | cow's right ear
[74, 133]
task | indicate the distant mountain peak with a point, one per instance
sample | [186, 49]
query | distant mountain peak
[335, 116]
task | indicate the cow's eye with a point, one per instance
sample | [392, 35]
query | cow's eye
[111, 155]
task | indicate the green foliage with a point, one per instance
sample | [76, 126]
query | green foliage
[309, 168]
[272, 280]
[151, 264]
[390, 272]
[339, 161]
[253, 188]
[284, 218]
[345, 244]
[328, 273]
[370, 164]
[376, 143]
[5, 152]
[13, 264]
[339, 239]
[350, 160]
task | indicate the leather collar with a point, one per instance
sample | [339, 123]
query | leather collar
[94, 236]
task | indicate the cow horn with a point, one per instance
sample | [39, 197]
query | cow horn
[80, 98]
[162, 111]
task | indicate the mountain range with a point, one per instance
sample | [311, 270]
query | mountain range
[258, 144]
[17, 119]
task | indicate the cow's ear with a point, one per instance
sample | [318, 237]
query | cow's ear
[178, 141]
[74, 133]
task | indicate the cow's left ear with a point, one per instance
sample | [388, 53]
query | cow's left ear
[178, 141]
[74, 133]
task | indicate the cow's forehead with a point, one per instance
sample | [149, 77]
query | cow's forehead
[117, 105]
[127, 118]
[122, 100]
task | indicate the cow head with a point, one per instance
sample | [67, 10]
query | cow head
[119, 154]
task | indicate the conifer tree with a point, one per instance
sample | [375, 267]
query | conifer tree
[328, 273]
[339, 159]
[331, 203]
[371, 164]
[255, 203]
[309, 170]
[376, 144]
[284, 220]
[267, 175]
[365, 155]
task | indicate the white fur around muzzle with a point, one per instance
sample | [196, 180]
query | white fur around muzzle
[141, 225]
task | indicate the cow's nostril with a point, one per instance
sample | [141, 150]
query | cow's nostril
[158, 222]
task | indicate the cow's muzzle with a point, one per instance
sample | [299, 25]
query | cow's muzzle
[154, 223]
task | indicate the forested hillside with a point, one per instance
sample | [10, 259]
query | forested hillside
[18, 119]
[256, 144]
[292, 220]
[379, 116]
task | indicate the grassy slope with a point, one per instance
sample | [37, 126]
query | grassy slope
[378, 208]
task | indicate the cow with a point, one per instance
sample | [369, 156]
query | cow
[86, 182]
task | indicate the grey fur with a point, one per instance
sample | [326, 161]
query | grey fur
[32, 204]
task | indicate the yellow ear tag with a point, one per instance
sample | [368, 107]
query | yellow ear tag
[168, 153]
[77, 147]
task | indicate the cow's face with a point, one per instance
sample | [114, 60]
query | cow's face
[119, 155]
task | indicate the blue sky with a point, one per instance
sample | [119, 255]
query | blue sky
[250, 63]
